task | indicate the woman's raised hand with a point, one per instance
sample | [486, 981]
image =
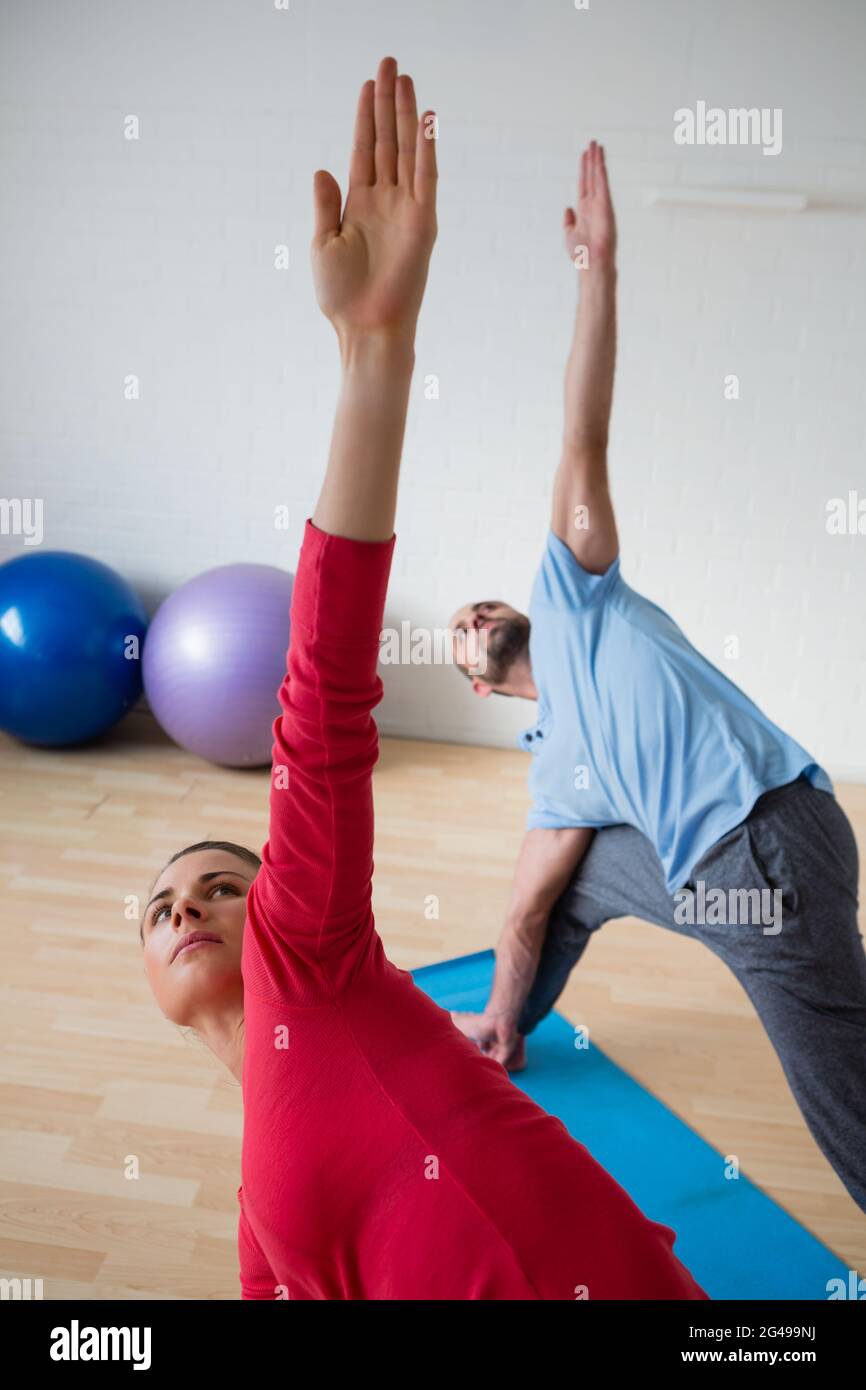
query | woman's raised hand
[370, 265]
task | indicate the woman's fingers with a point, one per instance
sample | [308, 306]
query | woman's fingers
[327, 203]
[602, 174]
[407, 126]
[583, 185]
[386, 122]
[362, 167]
[426, 172]
[391, 145]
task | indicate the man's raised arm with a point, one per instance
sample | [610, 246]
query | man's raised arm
[582, 510]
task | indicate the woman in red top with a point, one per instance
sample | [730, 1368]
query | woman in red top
[384, 1156]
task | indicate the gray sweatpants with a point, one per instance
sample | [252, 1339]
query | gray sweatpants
[805, 977]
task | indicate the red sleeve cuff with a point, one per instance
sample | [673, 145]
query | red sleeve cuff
[341, 585]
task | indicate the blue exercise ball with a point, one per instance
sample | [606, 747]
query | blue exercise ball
[71, 634]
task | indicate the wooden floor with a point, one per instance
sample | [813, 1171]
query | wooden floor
[91, 1074]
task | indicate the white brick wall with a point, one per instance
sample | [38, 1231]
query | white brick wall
[156, 257]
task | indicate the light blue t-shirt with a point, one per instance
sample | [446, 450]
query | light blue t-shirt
[635, 727]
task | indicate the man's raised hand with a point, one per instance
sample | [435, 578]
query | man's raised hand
[370, 264]
[593, 225]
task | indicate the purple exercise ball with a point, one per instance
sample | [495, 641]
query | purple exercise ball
[214, 659]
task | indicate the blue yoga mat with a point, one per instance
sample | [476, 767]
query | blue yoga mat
[737, 1242]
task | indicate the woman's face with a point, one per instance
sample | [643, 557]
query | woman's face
[202, 893]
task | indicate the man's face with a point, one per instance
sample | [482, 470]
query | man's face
[488, 638]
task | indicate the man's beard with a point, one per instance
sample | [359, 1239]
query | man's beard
[505, 644]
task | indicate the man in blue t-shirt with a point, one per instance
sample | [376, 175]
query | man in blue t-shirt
[658, 788]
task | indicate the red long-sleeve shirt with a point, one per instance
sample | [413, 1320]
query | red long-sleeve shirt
[384, 1156]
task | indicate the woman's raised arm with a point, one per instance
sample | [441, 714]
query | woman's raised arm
[370, 268]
